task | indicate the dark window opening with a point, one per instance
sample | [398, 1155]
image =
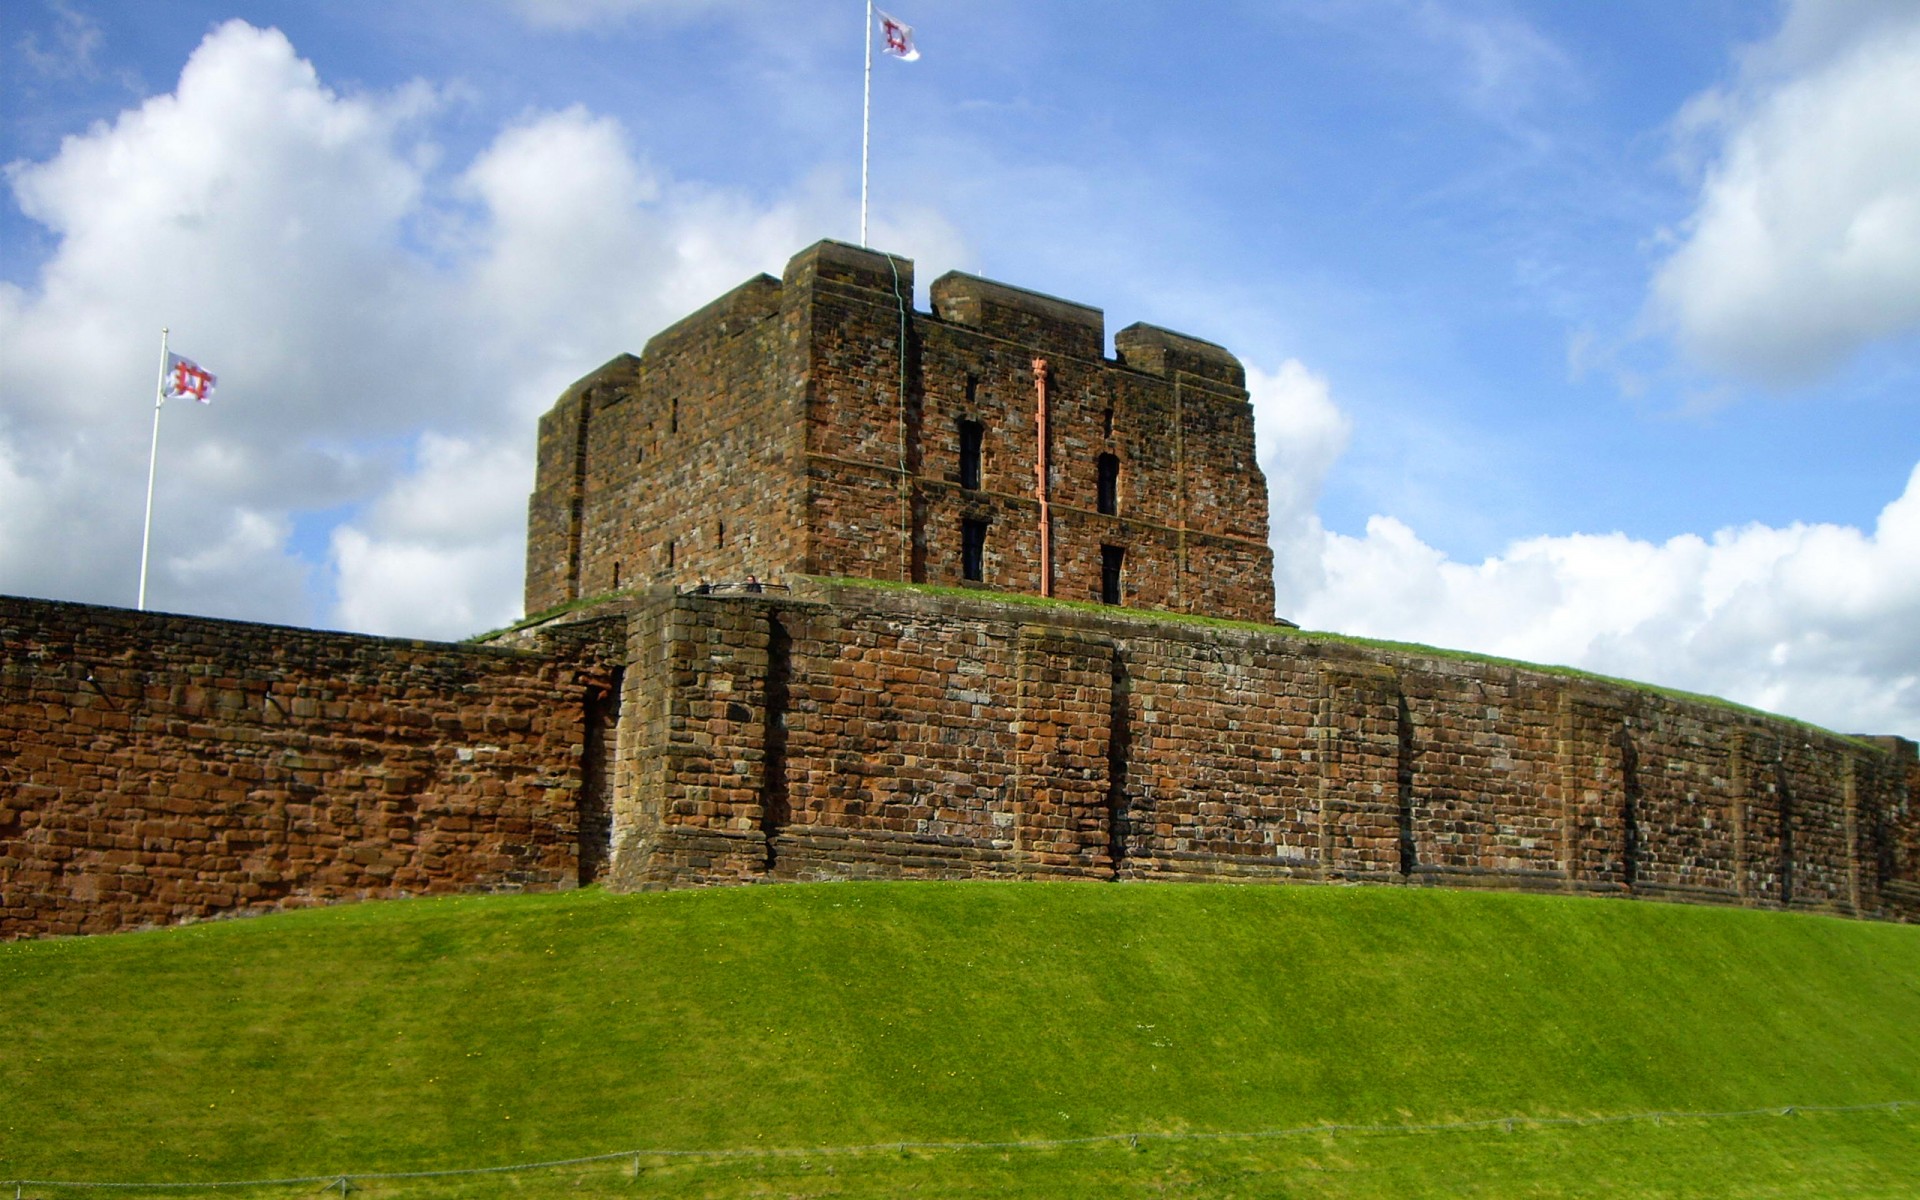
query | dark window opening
[1112, 559]
[640, 455]
[973, 549]
[616, 576]
[973, 387]
[1106, 421]
[973, 435]
[670, 555]
[596, 777]
[720, 534]
[673, 417]
[1109, 484]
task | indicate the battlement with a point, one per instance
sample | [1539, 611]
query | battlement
[1047, 323]
[747, 305]
[1163, 352]
[839, 264]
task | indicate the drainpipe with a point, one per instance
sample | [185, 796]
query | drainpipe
[1040, 476]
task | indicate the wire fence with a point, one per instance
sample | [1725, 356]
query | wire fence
[346, 1182]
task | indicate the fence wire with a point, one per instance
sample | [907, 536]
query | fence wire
[345, 1181]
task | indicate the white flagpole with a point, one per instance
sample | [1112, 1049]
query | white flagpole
[866, 123]
[153, 457]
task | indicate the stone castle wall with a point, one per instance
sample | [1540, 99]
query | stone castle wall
[156, 768]
[163, 768]
[160, 768]
[812, 425]
[886, 733]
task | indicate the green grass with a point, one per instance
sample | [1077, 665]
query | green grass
[476, 1031]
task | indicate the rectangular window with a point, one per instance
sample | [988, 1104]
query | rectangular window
[1109, 484]
[1112, 559]
[972, 436]
[973, 549]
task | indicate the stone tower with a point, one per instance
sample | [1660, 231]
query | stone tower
[819, 425]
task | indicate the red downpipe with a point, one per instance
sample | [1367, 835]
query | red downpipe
[1040, 477]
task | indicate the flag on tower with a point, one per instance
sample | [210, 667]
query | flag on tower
[898, 38]
[184, 378]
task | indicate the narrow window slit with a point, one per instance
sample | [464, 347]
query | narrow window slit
[973, 549]
[1112, 563]
[973, 436]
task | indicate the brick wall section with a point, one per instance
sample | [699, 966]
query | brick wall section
[927, 735]
[162, 768]
[811, 425]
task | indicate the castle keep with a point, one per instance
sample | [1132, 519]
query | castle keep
[1065, 703]
[818, 425]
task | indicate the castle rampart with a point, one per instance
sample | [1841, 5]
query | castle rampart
[161, 768]
[158, 768]
[935, 735]
[168, 768]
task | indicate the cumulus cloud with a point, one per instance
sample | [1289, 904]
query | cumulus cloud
[1804, 244]
[1299, 434]
[1816, 621]
[385, 326]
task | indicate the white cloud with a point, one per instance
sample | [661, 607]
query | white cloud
[75, 38]
[1804, 245]
[402, 587]
[1816, 621]
[1819, 621]
[440, 553]
[385, 329]
[1300, 433]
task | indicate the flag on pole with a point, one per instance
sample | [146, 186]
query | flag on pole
[898, 38]
[184, 378]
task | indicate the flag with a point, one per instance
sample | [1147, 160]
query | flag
[898, 37]
[187, 378]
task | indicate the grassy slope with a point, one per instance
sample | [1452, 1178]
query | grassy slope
[482, 1030]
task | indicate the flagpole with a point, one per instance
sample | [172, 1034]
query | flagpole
[153, 458]
[866, 122]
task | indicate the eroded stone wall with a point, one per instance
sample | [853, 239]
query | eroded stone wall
[812, 425]
[914, 734]
[159, 768]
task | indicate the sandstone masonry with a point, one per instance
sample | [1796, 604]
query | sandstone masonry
[819, 432]
[819, 425]
[871, 732]
[161, 768]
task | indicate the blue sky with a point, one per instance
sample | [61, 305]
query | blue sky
[1579, 333]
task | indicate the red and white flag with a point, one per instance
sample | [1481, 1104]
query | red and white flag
[898, 38]
[187, 378]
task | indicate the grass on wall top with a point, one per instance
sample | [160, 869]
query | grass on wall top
[1198, 619]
